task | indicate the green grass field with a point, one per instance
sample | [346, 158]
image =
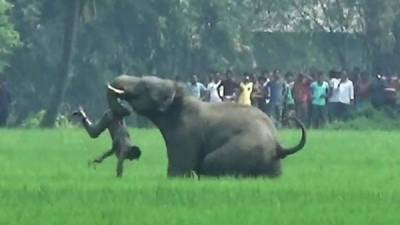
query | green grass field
[341, 177]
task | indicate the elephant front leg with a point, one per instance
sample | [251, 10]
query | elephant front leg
[183, 154]
[177, 172]
[181, 172]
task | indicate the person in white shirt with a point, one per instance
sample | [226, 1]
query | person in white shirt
[333, 100]
[212, 89]
[345, 96]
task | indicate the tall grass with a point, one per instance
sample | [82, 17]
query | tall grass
[341, 177]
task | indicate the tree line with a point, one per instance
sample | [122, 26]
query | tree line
[56, 53]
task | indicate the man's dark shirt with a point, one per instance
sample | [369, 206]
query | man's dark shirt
[229, 87]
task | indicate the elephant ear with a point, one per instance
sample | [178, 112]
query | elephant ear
[163, 95]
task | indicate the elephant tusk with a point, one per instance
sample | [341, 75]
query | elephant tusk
[115, 90]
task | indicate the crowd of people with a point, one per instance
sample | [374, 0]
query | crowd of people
[314, 97]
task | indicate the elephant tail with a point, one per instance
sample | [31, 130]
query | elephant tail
[284, 152]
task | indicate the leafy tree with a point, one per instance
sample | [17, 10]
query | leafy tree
[70, 32]
[9, 38]
[172, 38]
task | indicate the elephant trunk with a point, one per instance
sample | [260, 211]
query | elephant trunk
[284, 152]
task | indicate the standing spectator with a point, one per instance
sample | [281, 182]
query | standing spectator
[378, 92]
[196, 88]
[212, 88]
[5, 102]
[253, 78]
[277, 92]
[355, 76]
[267, 75]
[229, 87]
[391, 89]
[288, 109]
[267, 93]
[333, 100]
[362, 91]
[258, 95]
[302, 95]
[246, 88]
[319, 92]
[345, 96]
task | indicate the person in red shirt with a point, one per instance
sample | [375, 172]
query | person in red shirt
[391, 89]
[302, 97]
[363, 91]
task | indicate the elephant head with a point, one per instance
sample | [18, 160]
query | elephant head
[146, 95]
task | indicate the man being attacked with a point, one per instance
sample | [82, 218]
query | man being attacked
[113, 120]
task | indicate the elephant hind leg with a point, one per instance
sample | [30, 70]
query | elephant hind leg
[271, 169]
[233, 159]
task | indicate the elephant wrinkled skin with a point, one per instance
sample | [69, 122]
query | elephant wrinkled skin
[210, 139]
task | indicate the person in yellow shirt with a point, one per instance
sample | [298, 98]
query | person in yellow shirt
[246, 88]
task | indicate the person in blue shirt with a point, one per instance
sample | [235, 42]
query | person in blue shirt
[196, 88]
[277, 89]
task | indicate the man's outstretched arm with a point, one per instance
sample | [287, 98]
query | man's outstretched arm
[104, 156]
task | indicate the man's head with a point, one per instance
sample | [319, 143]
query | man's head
[343, 75]
[289, 77]
[133, 153]
[262, 79]
[300, 77]
[364, 76]
[266, 74]
[276, 75]
[229, 75]
[246, 77]
[194, 79]
[319, 77]
[332, 74]
[217, 76]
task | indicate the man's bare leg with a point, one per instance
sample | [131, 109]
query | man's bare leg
[94, 130]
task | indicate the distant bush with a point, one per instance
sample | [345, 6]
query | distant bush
[33, 121]
[366, 119]
[62, 121]
[370, 119]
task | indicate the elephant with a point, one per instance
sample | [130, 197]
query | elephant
[210, 139]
